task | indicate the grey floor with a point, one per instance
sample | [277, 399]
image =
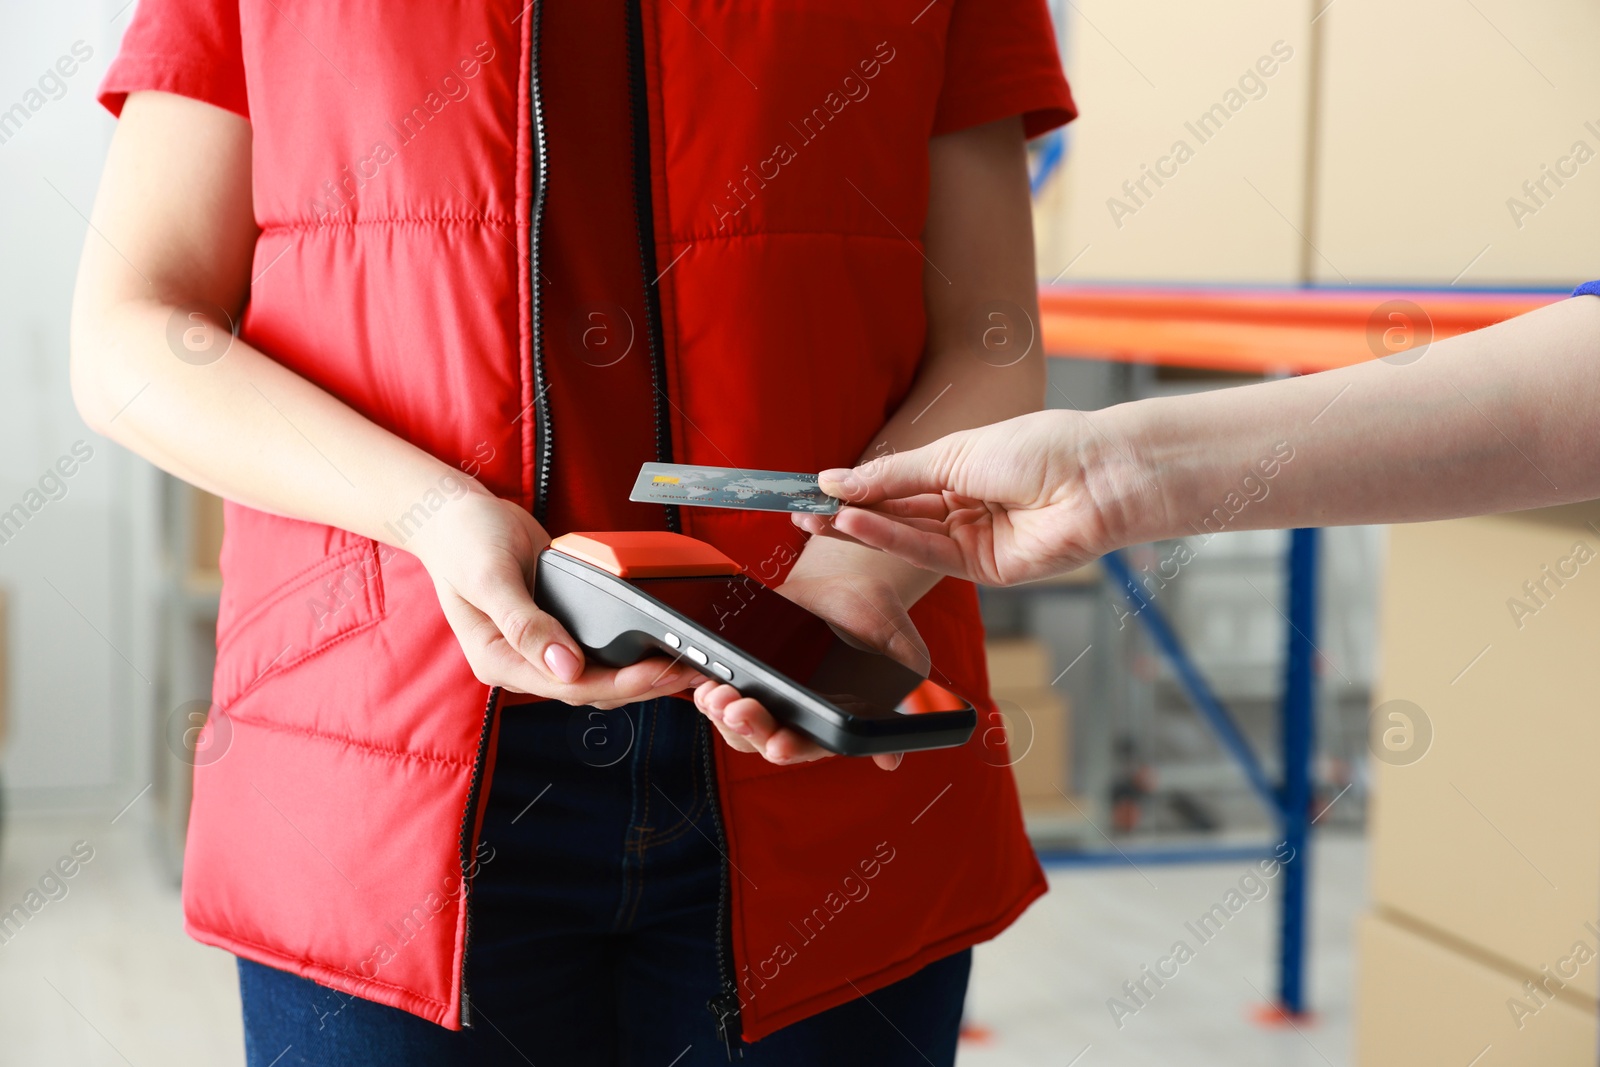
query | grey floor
[104, 975]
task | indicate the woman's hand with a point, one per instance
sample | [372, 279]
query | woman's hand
[482, 552]
[1001, 504]
[867, 608]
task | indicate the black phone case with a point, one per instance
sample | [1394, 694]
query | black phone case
[617, 624]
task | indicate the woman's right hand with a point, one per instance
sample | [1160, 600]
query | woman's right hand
[1012, 502]
[482, 553]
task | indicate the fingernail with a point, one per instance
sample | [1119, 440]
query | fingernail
[841, 478]
[562, 663]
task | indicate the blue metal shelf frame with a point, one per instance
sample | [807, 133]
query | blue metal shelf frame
[1290, 800]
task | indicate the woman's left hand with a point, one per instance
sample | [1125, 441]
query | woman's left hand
[868, 608]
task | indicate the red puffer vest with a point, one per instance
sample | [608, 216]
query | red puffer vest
[336, 837]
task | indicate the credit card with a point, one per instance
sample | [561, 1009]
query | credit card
[732, 487]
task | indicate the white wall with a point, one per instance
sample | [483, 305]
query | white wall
[77, 646]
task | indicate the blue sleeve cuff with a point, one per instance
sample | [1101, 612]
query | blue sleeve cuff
[1587, 289]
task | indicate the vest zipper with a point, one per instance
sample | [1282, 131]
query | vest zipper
[469, 821]
[724, 1007]
[644, 224]
[541, 399]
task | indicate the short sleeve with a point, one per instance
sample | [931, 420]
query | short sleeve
[1001, 60]
[1587, 289]
[188, 47]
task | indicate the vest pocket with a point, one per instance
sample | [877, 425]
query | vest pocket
[337, 597]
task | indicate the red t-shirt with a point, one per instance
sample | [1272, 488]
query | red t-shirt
[596, 348]
[1000, 61]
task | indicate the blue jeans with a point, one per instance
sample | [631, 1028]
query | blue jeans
[594, 919]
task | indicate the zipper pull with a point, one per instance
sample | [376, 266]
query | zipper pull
[725, 1008]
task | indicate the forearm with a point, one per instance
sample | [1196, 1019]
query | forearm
[247, 428]
[1497, 420]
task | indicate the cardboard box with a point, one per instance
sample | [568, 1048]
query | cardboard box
[1017, 663]
[1408, 188]
[1038, 736]
[1420, 1004]
[1228, 83]
[1492, 836]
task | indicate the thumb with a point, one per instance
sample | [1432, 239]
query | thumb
[905, 644]
[895, 476]
[507, 599]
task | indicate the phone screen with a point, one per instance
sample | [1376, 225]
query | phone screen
[789, 639]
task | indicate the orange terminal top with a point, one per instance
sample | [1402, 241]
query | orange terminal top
[930, 696]
[645, 554]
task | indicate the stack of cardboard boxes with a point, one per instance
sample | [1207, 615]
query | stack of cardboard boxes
[1483, 938]
[1196, 185]
[1038, 723]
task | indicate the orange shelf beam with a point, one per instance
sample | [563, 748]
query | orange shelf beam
[1262, 331]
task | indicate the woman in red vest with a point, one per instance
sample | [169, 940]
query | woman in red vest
[415, 288]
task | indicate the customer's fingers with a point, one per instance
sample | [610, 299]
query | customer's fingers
[935, 506]
[921, 470]
[927, 512]
[819, 526]
[919, 542]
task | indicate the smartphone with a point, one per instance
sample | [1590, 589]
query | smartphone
[808, 674]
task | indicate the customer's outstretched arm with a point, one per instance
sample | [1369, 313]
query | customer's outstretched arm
[1500, 419]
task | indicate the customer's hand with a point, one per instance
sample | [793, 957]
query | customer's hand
[1000, 504]
[482, 552]
[867, 608]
